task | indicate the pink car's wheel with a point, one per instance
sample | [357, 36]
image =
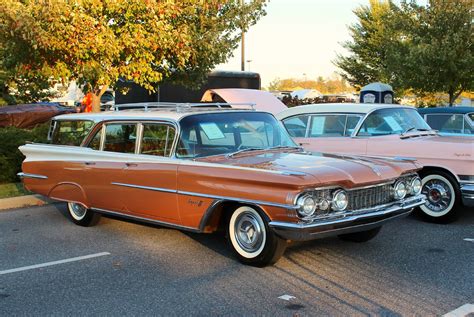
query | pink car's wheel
[443, 197]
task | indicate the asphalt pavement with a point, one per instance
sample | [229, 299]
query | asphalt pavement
[49, 266]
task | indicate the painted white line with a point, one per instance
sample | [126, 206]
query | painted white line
[286, 297]
[37, 266]
[462, 311]
[469, 240]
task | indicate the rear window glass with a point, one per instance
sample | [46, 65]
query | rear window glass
[70, 132]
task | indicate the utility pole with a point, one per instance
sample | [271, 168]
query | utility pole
[242, 53]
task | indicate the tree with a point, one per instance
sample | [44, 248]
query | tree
[434, 51]
[96, 42]
[369, 47]
[424, 49]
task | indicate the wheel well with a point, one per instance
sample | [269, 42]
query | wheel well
[429, 169]
[219, 212]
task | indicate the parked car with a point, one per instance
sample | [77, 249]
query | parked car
[27, 116]
[391, 131]
[456, 121]
[201, 169]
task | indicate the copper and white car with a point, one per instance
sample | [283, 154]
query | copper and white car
[391, 131]
[201, 169]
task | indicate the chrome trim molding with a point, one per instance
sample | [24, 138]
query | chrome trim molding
[216, 197]
[249, 201]
[28, 175]
[467, 190]
[158, 189]
[143, 219]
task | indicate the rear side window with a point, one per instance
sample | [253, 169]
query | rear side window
[70, 132]
[157, 139]
[120, 137]
[327, 126]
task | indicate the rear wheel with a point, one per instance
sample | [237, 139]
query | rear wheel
[443, 197]
[82, 216]
[362, 236]
[251, 239]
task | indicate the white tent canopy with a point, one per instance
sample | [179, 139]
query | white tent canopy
[306, 94]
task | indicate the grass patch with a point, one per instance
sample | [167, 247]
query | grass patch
[12, 190]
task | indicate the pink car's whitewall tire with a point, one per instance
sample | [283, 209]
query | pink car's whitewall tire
[443, 197]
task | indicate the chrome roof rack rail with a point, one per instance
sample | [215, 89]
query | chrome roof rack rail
[183, 107]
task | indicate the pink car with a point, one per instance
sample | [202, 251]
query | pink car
[391, 131]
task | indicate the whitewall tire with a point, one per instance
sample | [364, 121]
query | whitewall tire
[82, 216]
[251, 239]
[442, 197]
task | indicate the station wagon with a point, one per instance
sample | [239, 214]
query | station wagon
[202, 168]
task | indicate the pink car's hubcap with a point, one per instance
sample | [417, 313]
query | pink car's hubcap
[438, 193]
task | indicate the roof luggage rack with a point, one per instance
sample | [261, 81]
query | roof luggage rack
[183, 107]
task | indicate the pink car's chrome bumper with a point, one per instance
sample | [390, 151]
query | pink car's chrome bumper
[467, 190]
[352, 222]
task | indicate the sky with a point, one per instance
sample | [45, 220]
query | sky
[297, 39]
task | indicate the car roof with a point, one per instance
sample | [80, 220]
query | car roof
[150, 114]
[456, 110]
[358, 108]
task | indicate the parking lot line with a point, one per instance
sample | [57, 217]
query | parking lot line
[36, 266]
[469, 240]
[464, 310]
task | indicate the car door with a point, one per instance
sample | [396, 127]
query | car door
[330, 133]
[150, 186]
[112, 146]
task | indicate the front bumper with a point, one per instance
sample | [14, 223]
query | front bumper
[347, 223]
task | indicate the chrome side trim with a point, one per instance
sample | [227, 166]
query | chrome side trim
[143, 219]
[158, 189]
[179, 192]
[249, 201]
[28, 175]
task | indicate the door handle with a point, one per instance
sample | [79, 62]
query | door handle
[304, 143]
[131, 164]
[89, 163]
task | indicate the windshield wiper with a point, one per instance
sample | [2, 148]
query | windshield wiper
[249, 149]
[292, 147]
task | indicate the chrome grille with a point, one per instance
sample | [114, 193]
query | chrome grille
[369, 197]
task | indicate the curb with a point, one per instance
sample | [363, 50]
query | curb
[24, 201]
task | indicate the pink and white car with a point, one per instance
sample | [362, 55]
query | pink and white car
[391, 131]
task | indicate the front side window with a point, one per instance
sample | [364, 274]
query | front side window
[297, 125]
[70, 132]
[222, 133]
[157, 139]
[392, 121]
[120, 137]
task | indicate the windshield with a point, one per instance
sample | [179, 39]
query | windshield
[227, 132]
[393, 121]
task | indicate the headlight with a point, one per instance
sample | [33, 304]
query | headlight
[307, 205]
[340, 200]
[399, 190]
[415, 186]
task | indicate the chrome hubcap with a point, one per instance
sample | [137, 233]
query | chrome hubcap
[248, 232]
[438, 193]
[78, 210]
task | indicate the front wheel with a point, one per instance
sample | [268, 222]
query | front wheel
[82, 216]
[362, 236]
[443, 197]
[252, 240]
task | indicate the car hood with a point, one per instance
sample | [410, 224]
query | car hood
[327, 169]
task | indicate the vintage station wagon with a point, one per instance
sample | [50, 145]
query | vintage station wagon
[202, 168]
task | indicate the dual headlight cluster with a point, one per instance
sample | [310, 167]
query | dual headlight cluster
[402, 188]
[309, 204]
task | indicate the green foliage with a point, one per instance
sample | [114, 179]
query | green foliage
[332, 85]
[423, 49]
[96, 42]
[10, 157]
[369, 47]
